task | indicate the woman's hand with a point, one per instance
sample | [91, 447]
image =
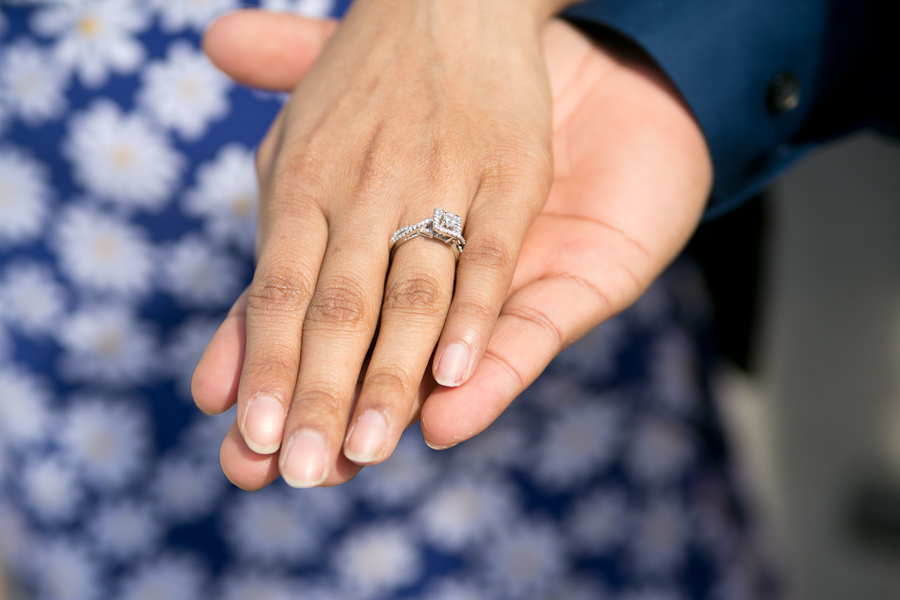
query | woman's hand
[630, 180]
[413, 104]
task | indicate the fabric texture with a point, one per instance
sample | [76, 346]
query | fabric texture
[127, 204]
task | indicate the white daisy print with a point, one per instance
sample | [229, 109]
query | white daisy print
[185, 92]
[466, 511]
[202, 438]
[125, 530]
[593, 357]
[31, 300]
[176, 15]
[501, 445]
[32, 85]
[257, 586]
[24, 406]
[198, 275]
[525, 562]
[66, 571]
[25, 194]
[108, 441]
[674, 372]
[327, 506]
[103, 253]
[658, 544]
[225, 197]
[307, 8]
[578, 588]
[16, 542]
[5, 116]
[376, 560]
[652, 306]
[661, 451]
[122, 158]
[95, 37]
[187, 489]
[269, 528]
[184, 350]
[598, 522]
[454, 589]
[51, 488]
[551, 392]
[105, 344]
[402, 477]
[578, 443]
[168, 578]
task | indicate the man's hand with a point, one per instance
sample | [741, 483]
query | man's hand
[630, 179]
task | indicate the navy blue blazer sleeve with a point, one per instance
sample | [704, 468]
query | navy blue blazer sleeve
[728, 58]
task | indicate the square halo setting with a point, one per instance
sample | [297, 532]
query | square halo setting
[447, 224]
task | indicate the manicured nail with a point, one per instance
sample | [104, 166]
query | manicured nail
[452, 366]
[264, 424]
[304, 460]
[366, 440]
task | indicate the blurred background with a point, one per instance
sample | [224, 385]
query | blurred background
[817, 412]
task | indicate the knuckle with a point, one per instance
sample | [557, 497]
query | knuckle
[320, 402]
[339, 301]
[487, 252]
[476, 312]
[518, 169]
[277, 363]
[420, 293]
[297, 179]
[394, 379]
[282, 292]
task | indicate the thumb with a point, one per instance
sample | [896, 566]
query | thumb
[264, 49]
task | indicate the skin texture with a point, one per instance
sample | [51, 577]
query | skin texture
[630, 175]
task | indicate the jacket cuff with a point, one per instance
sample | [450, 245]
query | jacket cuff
[747, 69]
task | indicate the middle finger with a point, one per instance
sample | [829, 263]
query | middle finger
[337, 331]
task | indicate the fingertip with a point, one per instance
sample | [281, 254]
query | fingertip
[214, 383]
[344, 470]
[243, 467]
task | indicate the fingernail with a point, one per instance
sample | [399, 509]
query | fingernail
[263, 424]
[366, 441]
[452, 366]
[304, 460]
[436, 447]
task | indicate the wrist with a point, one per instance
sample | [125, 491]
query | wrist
[515, 14]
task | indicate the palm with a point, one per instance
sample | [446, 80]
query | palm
[631, 174]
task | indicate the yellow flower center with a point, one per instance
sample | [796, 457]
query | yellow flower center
[109, 343]
[89, 26]
[189, 88]
[242, 205]
[106, 247]
[123, 157]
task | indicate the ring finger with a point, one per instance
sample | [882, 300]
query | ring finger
[417, 297]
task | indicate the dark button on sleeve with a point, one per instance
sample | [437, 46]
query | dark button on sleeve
[783, 94]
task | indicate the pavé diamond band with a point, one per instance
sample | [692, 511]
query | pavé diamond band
[443, 226]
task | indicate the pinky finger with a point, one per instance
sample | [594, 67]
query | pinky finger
[215, 381]
[534, 326]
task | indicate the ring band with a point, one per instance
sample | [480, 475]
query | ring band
[443, 226]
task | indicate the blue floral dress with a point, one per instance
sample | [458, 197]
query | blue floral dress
[127, 223]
